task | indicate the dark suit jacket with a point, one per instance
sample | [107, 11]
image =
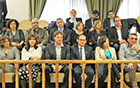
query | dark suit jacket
[66, 38]
[113, 35]
[51, 53]
[88, 23]
[75, 53]
[106, 24]
[43, 38]
[94, 37]
[3, 9]
[71, 25]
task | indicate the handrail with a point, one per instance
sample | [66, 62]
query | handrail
[70, 62]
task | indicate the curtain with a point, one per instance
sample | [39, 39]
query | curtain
[61, 9]
[103, 6]
[35, 8]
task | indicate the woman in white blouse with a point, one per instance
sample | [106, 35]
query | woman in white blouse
[30, 52]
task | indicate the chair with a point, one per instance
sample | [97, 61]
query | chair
[43, 23]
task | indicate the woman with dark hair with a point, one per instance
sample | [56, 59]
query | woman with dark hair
[16, 35]
[74, 34]
[104, 52]
[96, 32]
[30, 52]
[7, 52]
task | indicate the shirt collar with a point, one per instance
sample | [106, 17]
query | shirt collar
[62, 45]
[61, 30]
[80, 47]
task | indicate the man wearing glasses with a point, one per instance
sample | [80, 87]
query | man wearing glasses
[71, 22]
[39, 33]
[130, 51]
[90, 22]
[108, 22]
[117, 34]
[81, 51]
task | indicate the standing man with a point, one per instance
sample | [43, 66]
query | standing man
[117, 34]
[57, 51]
[71, 22]
[81, 51]
[130, 51]
[39, 33]
[3, 13]
[108, 22]
[90, 22]
[60, 27]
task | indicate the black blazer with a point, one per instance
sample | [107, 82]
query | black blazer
[3, 9]
[71, 25]
[51, 52]
[113, 35]
[106, 24]
[75, 53]
[66, 38]
[88, 23]
[94, 37]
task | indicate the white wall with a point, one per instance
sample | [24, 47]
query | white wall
[18, 9]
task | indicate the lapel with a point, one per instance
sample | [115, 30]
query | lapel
[116, 31]
[85, 52]
[102, 54]
[39, 33]
[53, 51]
[122, 32]
[32, 31]
[77, 49]
[62, 51]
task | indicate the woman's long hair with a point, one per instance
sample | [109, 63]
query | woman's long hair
[27, 47]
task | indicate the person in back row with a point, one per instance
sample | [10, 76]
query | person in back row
[39, 33]
[60, 27]
[71, 22]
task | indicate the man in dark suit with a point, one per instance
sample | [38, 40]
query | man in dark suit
[117, 34]
[108, 22]
[57, 51]
[81, 51]
[71, 22]
[3, 13]
[90, 22]
[60, 27]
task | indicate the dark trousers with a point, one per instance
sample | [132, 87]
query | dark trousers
[114, 73]
[49, 69]
[77, 70]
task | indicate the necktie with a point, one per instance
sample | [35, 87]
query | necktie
[80, 54]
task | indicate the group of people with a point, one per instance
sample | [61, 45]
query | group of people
[71, 41]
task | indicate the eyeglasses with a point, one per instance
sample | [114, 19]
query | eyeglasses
[34, 22]
[117, 20]
[82, 39]
[133, 38]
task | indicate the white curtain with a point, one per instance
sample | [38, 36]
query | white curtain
[129, 9]
[61, 9]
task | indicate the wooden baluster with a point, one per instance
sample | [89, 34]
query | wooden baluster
[56, 80]
[3, 75]
[122, 74]
[30, 75]
[96, 75]
[109, 75]
[43, 75]
[17, 79]
[70, 75]
[134, 75]
[83, 75]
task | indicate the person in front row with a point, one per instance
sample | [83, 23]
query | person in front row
[57, 51]
[105, 52]
[7, 52]
[30, 52]
[81, 51]
[130, 51]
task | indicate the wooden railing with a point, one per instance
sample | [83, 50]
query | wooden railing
[70, 62]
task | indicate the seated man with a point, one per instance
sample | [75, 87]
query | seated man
[60, 27]
[130, 51]
[57, 51]
[71, 22]
[90, 22]
[39, 33]
[81, 51]
[117, 34]
[108, 22]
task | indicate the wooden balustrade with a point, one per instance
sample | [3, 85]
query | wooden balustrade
[70, 62]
